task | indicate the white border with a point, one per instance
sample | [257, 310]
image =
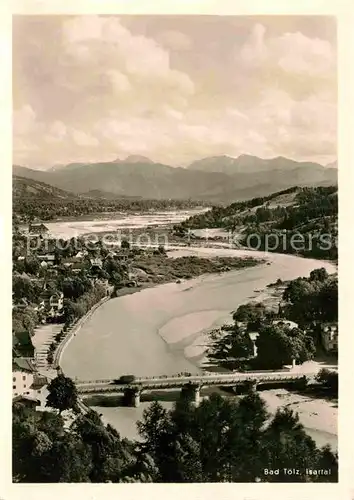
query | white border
[342, 10]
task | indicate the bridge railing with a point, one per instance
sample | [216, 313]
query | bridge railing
[91, 382]
[137, 379]
[202, 380]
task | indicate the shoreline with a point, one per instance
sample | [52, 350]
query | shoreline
[121, 293]
[269, 295]
[81, 322]
[74, 329]
[124, 419]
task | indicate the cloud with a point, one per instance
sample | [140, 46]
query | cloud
[292, 52]
[57, 132]
[87, 88]
[24, 120]
[175, 40]
[82, 139]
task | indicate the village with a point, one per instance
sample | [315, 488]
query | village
[53, 288]
[43, 313]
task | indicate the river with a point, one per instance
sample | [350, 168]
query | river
[161, 330]
[113, 222]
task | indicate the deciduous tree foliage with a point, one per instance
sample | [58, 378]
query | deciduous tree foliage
[232, 342]
[277, 345]
[313, 216]
[314, 299]
[328, 379]
[254, 314]
[62, 393]
[223, 440]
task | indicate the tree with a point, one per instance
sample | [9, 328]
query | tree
[43, 452]
[111, 457]
[277, 345]
[312, 300]
[329, 380]
[286, 444]
[225, 440]
[222, 440]
[31, 265]
[24, 320]
[231, 342]
[327, 461]
[253, 314]
[319, 274]
[62, 393]
[73, 311]
[23, 287]
[125, 245]
[68, 461]
[328, 300]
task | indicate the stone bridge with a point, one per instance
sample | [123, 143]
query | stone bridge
[190, 385]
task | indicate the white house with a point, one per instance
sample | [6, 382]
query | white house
[22, 377]
[28, 383]
[329, 335]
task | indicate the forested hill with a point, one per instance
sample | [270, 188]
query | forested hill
[310, 212]
[35, 199]
[24, 188]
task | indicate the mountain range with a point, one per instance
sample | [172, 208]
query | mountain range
[214, 179]
[247, 164]
[24, 188]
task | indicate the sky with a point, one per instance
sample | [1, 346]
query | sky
[173, 88]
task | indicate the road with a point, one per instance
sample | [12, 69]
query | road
[142, 383]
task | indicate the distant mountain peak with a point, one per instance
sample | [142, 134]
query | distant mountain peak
[247, 164]
[134, 159]
[333, 164]
[137, 159]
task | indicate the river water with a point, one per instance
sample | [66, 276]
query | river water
[119, 221]
[161, 330]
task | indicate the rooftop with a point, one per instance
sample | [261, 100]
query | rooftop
[24, 398]
[23, 364]
[39, 382]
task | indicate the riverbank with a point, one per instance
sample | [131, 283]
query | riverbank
[318, 416]
[156, 268]
[188, 268]
[174, 317]
[74, 329]
[73, 227]
[161, 330]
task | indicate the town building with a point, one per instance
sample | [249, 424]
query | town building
[53, 303]
[75, 259]
[28, 401]
[329, 337]
[37, 229]
[49, 259]
[56, 304]
[81, 254]
[123, 255]
[253, 336]
[22, 345]
[22, 376]
[28, 386]
[96, 264]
